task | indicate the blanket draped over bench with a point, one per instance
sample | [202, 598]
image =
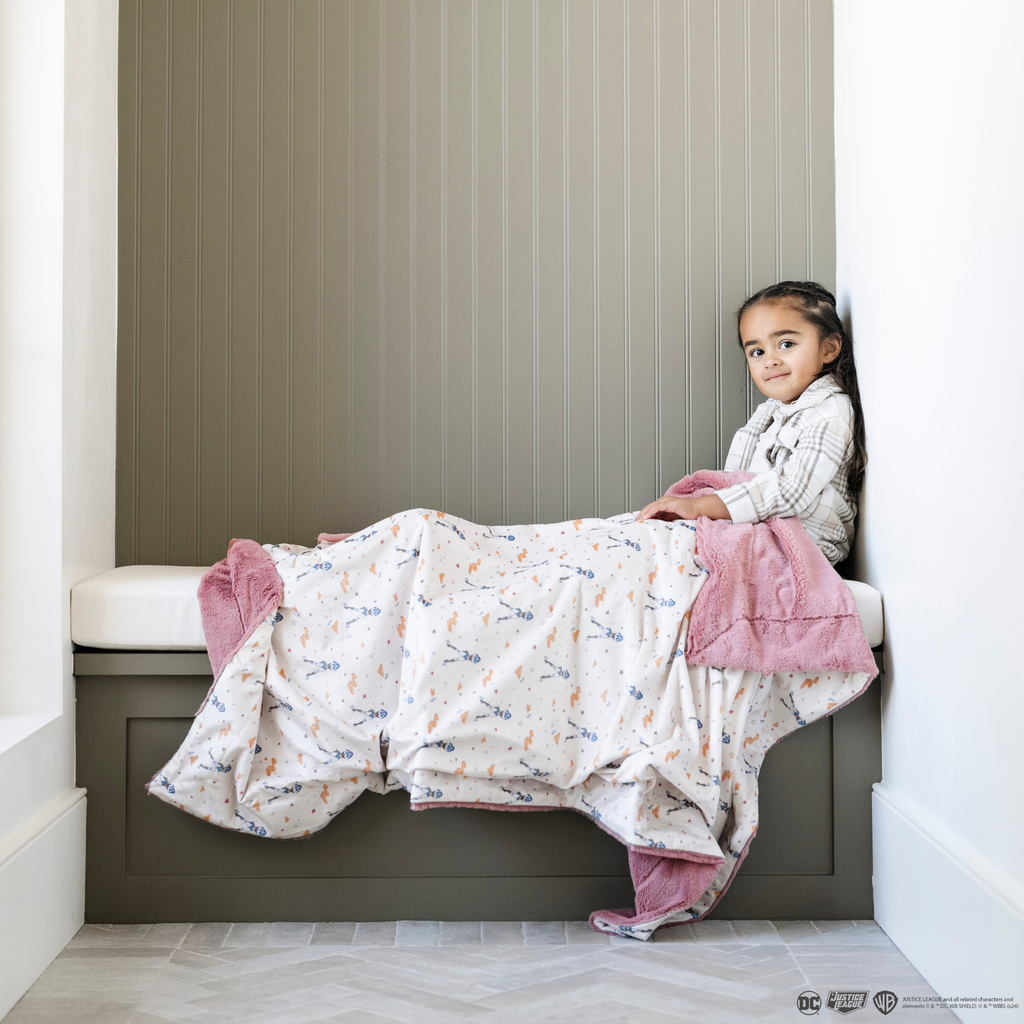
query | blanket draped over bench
[634, 672]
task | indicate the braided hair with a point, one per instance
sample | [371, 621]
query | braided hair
[817, 305]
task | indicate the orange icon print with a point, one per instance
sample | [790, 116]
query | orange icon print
[452, 621]
[344, 583]
[245, 675]
[600, 597]
[304, 637]
[648, 718]
[604, 697]
[487, 618]
[577, 523]
[671, 756]
[431, 726]
[575, 635]
[395, 529]
[272, 767]
[325, 793]
[573, 697]
[806, 683]
[224, 732]
[490, 771]
[521, 555]
[334, 625]
[195, 757]
[488, 677]
[373, 568]
[751, 739]
[401, 627]
[461, 770]
[551, 636]
[315, 727]
[558, 736]
[352, 684]
[464, 716]
[651, 575]
[528, 741]
[380, 669]
[473, 566]
[519, 672]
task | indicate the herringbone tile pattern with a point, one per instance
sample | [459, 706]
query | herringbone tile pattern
[421, 972]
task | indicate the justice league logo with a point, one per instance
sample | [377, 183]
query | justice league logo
[846, 1002]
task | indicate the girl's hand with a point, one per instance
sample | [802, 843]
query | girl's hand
[710, 505]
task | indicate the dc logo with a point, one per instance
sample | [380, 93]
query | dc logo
[808, 1002]
[885, 1002]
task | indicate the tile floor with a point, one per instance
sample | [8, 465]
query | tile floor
[422, 972]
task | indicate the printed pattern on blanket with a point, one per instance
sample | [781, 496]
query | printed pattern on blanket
[525, 666]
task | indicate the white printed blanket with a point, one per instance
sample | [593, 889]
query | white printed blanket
[524, 666]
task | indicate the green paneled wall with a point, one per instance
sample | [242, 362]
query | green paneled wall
[479, 255]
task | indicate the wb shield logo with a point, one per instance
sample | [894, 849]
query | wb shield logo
[885, 1002]
[808, 1002]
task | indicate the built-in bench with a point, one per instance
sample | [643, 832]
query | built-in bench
[142, 671]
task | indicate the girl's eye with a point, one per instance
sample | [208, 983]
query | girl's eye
[755, 353]
[786, 344]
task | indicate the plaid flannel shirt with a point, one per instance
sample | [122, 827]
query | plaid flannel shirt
[799, 455]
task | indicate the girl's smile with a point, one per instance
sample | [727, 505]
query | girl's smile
[784, 353]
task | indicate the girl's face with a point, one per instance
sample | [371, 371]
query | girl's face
[784, 353]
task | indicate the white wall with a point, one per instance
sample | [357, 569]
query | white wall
[930, 229]
[58, 192]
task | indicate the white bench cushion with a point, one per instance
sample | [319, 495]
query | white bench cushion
[139, 608]
[155, 608]
[869, 607]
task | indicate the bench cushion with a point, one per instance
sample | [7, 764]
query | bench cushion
[155, 608]
[139, 608]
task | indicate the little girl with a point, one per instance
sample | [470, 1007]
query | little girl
[805, 445]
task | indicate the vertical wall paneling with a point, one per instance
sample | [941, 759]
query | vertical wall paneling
[480, 256]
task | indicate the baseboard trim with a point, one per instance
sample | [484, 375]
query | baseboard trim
[929, 885]
[984, 873]
[42, 893]
[27, 834]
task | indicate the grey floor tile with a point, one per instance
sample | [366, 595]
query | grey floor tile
[501, 933]
[579, 933]
[756, 931]
[796, 931]
[206, 938]
[713, 931]
[290, 933]
[417, 933]
[543, 933]
[374, 933]
[333, 933]
[139, 955]
[166, 934]
[110, 934]
[69, 1010]
[460, 933]
[499, 972]
[247, 935]
[360, 1017]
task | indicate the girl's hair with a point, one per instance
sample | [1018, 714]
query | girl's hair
[817, 305]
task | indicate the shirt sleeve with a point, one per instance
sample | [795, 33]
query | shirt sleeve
[819, 453]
